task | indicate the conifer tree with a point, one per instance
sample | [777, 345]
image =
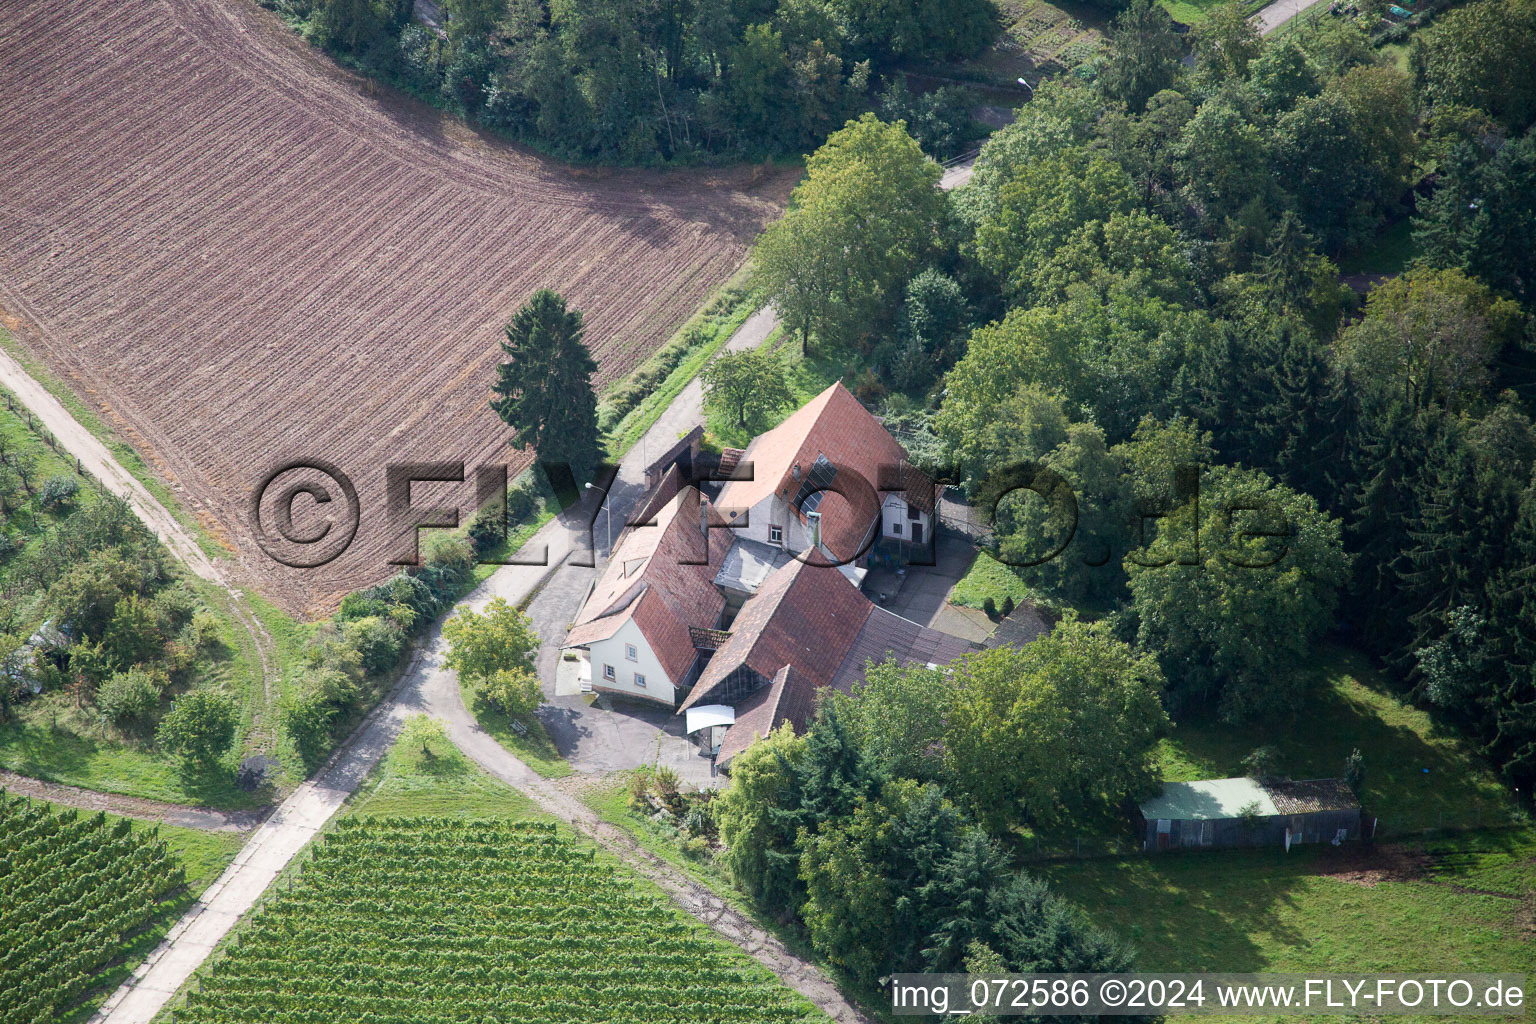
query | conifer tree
[544, 389]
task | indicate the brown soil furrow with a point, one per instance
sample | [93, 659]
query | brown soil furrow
[239, 256]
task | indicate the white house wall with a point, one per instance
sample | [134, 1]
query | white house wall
[894, 512]
[658, 685]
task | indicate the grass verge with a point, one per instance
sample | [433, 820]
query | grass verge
[425, 774]
[533, 746]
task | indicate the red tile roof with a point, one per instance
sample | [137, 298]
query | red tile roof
[888, 635]
[803, 616]
[647, 579]
[835, 426]
[790, 697]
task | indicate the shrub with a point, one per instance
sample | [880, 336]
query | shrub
[377, 641]
[130, 697]
[696, 848]
[640, 788]
[7, 542]
[668, 787]
[700, 820]
[173, 608]
[207, 632]
[307, 720]
[58, 491]
[513, 691]
[1008, 605]
[990, 607]
[199, 727]
[133, 635]
[1263, 762]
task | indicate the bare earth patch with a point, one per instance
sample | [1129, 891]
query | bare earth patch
[240, 255]
[1369, 864]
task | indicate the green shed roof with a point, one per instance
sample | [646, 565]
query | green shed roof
[1208, 799]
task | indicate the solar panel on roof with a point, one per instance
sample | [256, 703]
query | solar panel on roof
[815, 484]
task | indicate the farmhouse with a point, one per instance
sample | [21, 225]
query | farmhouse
[707, 603]
[1250, 812]
[830, 479]
[634, 629]
[806, 629]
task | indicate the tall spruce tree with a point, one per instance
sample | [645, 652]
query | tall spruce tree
[544, 389]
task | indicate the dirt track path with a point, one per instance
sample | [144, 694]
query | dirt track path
[96, 460]
[181, 815]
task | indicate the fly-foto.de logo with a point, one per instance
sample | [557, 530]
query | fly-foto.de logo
[305, 513]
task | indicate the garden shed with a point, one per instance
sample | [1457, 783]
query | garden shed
[1249, 812]
[21, 668]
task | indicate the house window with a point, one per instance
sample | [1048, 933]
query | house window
[776, 535]
[609, 673]
[912, 512]
[896, 529]
[630, 653]
[640, 680]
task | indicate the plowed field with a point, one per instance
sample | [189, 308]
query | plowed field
[242, 256]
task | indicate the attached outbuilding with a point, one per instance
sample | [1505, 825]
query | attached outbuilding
[1250, 812]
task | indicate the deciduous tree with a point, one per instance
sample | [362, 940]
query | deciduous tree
[857, 229]
[749, 386]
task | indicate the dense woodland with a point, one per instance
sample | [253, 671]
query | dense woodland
[1129, 337]
[643, 81]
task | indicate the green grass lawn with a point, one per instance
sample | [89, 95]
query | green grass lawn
[987, 577]
[1267, 910]
[1418, 775]
[425, 774]
[534, 747]
[32, 747]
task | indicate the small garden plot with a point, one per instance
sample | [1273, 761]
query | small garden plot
[1038, 39]
[427, 920]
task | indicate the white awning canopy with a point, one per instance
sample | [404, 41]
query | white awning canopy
[706, 715]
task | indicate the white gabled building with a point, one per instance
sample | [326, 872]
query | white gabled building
[829, 478]
[634, 628]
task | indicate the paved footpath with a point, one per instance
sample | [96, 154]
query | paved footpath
[1278, 13]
